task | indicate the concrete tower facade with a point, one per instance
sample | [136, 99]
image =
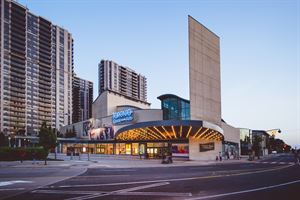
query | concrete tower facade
[204, 73]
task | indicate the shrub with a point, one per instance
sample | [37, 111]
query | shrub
[21, 153]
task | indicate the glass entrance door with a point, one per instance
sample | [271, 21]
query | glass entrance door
[128, 149]
[152, 152]
[157, 152]
[142, 148]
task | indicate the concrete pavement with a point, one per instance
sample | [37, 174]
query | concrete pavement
[17, 177]
[112, 161]
[244, 180]
[97, 161]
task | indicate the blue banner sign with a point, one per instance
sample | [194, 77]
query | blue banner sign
[122, 116]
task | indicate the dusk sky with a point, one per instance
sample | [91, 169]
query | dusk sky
[260, 56]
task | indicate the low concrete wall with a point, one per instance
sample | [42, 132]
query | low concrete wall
[194, 149]
[231, 134]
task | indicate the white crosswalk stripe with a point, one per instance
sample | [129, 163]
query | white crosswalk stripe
[278, 163]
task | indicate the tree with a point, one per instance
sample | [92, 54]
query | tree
[271, 144]
[47, 139]
[245, 145]
[287, 148]
[2, 139]
[256, 145]
[59, 134]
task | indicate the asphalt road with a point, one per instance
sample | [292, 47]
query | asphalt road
[272, 178]
[15, 179]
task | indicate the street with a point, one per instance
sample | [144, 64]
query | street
[275, 177]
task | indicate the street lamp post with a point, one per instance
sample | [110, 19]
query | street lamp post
[25, 143]
[273, 132]
[9, 138]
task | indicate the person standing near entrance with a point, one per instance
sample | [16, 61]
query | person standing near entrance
[227, 155]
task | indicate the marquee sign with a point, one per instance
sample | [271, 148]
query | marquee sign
[122, 116]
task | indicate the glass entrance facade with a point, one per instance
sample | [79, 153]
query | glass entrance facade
[157, 150]
[144, 149]
[174, 107]
[104, 149]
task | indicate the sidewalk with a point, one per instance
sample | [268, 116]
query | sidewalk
[117, 162]
[112, 161]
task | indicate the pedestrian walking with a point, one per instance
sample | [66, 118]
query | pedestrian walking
[220, 156]
[227, 155]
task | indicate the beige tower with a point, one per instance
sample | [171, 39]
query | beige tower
[204, 70]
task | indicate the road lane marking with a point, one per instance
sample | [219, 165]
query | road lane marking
[119, 191]
[91, 196]
[168, 194]
[100, 176]
[61, 178]
[7, 189]
[172, 180]
[104, 192]
[119, 170]
[239, 170]
[143, 187]
[5, 183]
[66, 192]
[245, 191]
[279, 163]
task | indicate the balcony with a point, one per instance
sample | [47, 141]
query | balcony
[15, 79]
[19, 100]
[17, 72]
[18, 57]
[14, 89]
[17, 86]
[44, 77]
[18, 94]
[17, 114]
[45, 99]
[45, 65]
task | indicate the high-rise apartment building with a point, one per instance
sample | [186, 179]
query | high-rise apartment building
[122, 80]
[82, 99]
[36, 71]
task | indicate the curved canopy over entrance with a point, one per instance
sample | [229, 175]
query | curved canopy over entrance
[170, 130]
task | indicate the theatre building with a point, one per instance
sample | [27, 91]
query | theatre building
[193, 128]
